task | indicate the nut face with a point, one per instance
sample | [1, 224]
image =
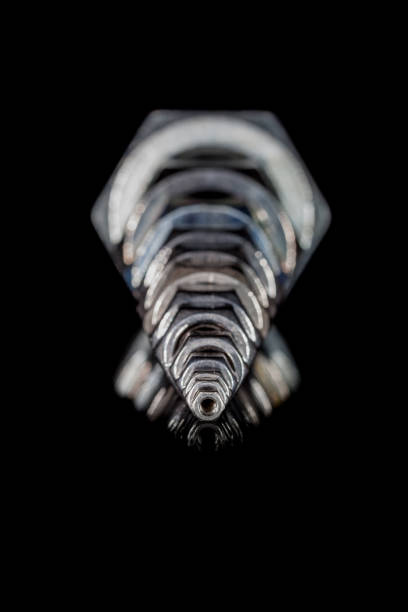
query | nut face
[210, 218]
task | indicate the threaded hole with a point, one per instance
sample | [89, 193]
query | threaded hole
[208, 406]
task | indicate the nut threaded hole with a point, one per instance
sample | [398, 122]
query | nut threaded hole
[208, 406]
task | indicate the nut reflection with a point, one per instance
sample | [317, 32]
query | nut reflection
[271, 380]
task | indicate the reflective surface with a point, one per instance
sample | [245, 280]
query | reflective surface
[210, 219]
[272, 378]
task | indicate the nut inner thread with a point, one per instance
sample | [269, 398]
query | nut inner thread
[208, 406]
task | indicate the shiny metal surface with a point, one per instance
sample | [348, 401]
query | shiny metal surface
[224, 132]
[209, 253]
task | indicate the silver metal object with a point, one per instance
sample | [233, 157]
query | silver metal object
[210, 218]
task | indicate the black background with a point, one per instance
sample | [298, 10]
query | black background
[302, 503]
[102, 488]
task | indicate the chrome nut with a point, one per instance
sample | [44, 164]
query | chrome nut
[210, 218]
